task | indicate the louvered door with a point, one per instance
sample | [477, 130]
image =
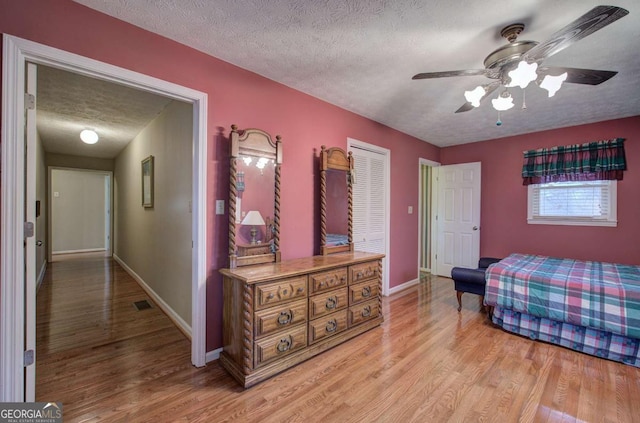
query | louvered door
[369, 197]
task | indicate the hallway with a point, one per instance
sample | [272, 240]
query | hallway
[93, 343]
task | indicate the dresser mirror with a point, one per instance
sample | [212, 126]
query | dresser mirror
[336, 178]
[254, 198]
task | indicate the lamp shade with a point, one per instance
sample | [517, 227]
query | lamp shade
[503, 102]
[253, 218]
[475, 96]
[522, 75]
[553, 83]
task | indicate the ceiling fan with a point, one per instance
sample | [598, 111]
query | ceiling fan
[518, 63]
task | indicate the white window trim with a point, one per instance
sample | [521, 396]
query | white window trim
[612, 221]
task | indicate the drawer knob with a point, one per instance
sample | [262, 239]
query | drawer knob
[332, 325]
[366, 312]
[285, 317]
[332, 302]
[270, 296]
[284, 344]
[359, 275]
[366, 291]
[300, 290]
[284, 292]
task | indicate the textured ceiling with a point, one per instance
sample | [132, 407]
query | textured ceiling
[67, 103]
[361, 54]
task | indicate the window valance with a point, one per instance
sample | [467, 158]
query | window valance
[598, 160]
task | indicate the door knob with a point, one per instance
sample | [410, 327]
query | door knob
[475, 228]
[39, 243]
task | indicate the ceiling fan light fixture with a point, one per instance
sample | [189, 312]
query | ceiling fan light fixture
[553, 83]
[523, 74]
[89, 136]
[503, 102]
[475, 96]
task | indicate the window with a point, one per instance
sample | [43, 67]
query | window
[588, 203]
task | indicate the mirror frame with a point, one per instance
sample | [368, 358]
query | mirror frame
[337, 159]
[257, 143]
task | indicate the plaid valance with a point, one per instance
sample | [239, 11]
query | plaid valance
[598, 160]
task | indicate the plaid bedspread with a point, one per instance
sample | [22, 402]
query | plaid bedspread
[597, 295]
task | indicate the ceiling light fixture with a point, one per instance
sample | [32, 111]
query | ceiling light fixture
[503, 102]
[475, 96]
[553, 83]
[522, 75]
[89, 136]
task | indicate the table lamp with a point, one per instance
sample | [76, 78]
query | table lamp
[253, 218]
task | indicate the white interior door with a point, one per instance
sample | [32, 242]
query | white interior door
[370, 204]
[458, 217]
[30, 241]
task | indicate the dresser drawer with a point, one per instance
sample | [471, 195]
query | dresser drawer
[280, 317]
[328, 280]
[280, 345]
[328, 325]
[272, 293]
[363, 271]
[362, 312]
[327, 302]
[363, 291]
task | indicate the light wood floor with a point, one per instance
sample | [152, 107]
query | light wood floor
[427, 363]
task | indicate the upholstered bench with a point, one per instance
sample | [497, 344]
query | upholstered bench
[471, 280]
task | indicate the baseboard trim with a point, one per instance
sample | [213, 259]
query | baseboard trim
[213, 355]
[173, 316]
[85, 250]
[404, 286]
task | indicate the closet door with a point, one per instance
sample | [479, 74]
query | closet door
[370, 203]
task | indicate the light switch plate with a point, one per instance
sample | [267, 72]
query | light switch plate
[219, 206]
[410, 210]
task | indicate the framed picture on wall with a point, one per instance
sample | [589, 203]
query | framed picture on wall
[147, 182]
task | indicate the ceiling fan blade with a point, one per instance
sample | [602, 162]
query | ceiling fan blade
[468, 72]
[595, 19]
[489, 88]
[579, 76]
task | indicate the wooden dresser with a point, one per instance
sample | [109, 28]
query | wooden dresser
[277, 315]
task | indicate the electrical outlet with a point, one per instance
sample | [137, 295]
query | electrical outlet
[410, 210]
[219, 206]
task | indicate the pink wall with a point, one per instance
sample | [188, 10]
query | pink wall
[504, 198]
[248, 100]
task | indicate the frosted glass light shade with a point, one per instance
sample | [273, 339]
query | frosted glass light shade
[503, 102]
[553, 83]
[89, 136]
[475, 96]
[522, 75]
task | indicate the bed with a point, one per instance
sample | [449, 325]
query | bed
[337, 239]
[588, 306]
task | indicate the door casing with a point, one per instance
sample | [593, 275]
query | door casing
[16, 53]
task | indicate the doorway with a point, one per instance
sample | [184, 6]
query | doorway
[426, 213]
[13, 282]
[80, 212]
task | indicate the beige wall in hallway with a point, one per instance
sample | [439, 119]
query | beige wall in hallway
[156, 242]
